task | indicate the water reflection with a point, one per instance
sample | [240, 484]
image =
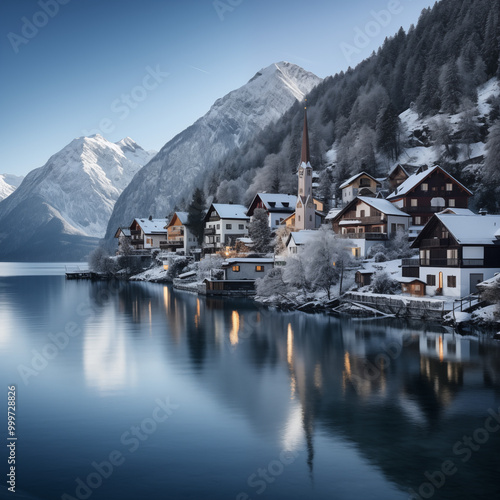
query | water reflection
[392, 396]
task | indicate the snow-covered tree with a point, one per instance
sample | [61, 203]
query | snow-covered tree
[101, 262]
[209, 266]
[259, 231]
[383, 283]
[272, 284]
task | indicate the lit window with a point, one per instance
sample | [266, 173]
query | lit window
[236, 269]
[425, 187]
[451, 202]
[259, 269]
[449, 186]
[414, 202]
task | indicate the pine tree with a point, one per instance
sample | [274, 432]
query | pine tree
[451, 92]
[388, 132]
[196, 214]
[259, 231]
[490, 46]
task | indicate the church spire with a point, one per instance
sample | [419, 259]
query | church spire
[305, 158]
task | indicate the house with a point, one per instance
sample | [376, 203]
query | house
[148, 233]
[369, 221]
[427, 192]
[179, 237]
[361, 184]
[246, 268]
[413, 286]
[399, 174]
[364, 277]
[297, 239]
[456, 253]
[224, 224]
[290, 222]
[124, 237]
[278, 207]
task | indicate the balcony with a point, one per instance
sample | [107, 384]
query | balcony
[137, 241]
[363, 220]
[170, 243]
[135, 232]
[443, 262]
[209, 231]
[411, 262]
[440, 262]
[422, 210]
[364, 236]
[436, 242]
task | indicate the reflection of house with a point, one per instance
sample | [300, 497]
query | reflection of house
[246, 269]
[457, 252]
[362, 184]
[224, 224]
[148, 233]
[278, 207]
[297, 239]
[428, 192]
[179, 236]
[447, 347]
[369, 221]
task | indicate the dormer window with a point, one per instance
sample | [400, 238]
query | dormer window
[272, 204]
[286, 204]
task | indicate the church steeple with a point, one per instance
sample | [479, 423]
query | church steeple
[305, 157]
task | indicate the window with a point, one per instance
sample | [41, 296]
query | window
[277, 222]
[236, 269]
[149, 241]
[259, 269]
[452, 282]
[449, 186]
[425, 187]
[308, 172]
[451, 202]
[418, 221]
[414, 202]
[418, 288]
[218, 239]
[229, 226]
[362, 213]
[218, 226]
[241, 226]
[431, 280]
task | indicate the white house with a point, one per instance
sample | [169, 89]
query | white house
[361, 184]
[457, 252]
[278, 207]
[224, 224]
[298, 239]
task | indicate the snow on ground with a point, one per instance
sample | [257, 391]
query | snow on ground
[419, 156]
[486, 315]
[153, 274]
[489, 89]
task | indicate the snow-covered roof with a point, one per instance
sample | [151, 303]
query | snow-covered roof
[457, 211]
[245, 241]
[302, 237]
[415, 179]
[229, 211]
[472, 230]
[183, 217]
[384, 206]
[354, 177]
[409, 280]
[246, 260]
[333, 213]
[153, 226]
[282, 202]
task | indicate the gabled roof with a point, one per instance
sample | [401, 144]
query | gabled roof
[274, 202]
[457, 211]
[354, 177]
[415, 179]
[153, 226]
[383, 206]
[465, 229]
[124, 230]
[182, 216]
[229, 211]
[301, 237]
[247, 260]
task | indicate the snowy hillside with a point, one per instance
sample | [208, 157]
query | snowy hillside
[74, 192]
[232, 121]
[8, 184]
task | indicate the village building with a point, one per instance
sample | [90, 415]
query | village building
[179, 237]
[246, 268]
[298, 239]
[369, 221]
[361, 184]
[148, 233]
[278, 207]
[123, 235]
[427, 192]
[224, 224]
[399, 174]
[456, 253]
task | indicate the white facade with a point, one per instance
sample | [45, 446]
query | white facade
[455, 281]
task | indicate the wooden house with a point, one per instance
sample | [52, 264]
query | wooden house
[179, 237]
[277, 206]
[368, 221]
[456, 253]
[123, 235]
[148, 233]
[361, 184]
[428, 192]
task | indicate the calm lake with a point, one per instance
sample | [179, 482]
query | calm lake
[134, 391]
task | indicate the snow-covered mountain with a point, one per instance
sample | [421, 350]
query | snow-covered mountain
[232, 121]
[74, 192]
[8, 184]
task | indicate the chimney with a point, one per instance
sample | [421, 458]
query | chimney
[483, 212]
[150, 217]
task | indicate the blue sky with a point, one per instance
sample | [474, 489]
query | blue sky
[148, 69]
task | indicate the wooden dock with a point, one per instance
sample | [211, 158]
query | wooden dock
[84, 274]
